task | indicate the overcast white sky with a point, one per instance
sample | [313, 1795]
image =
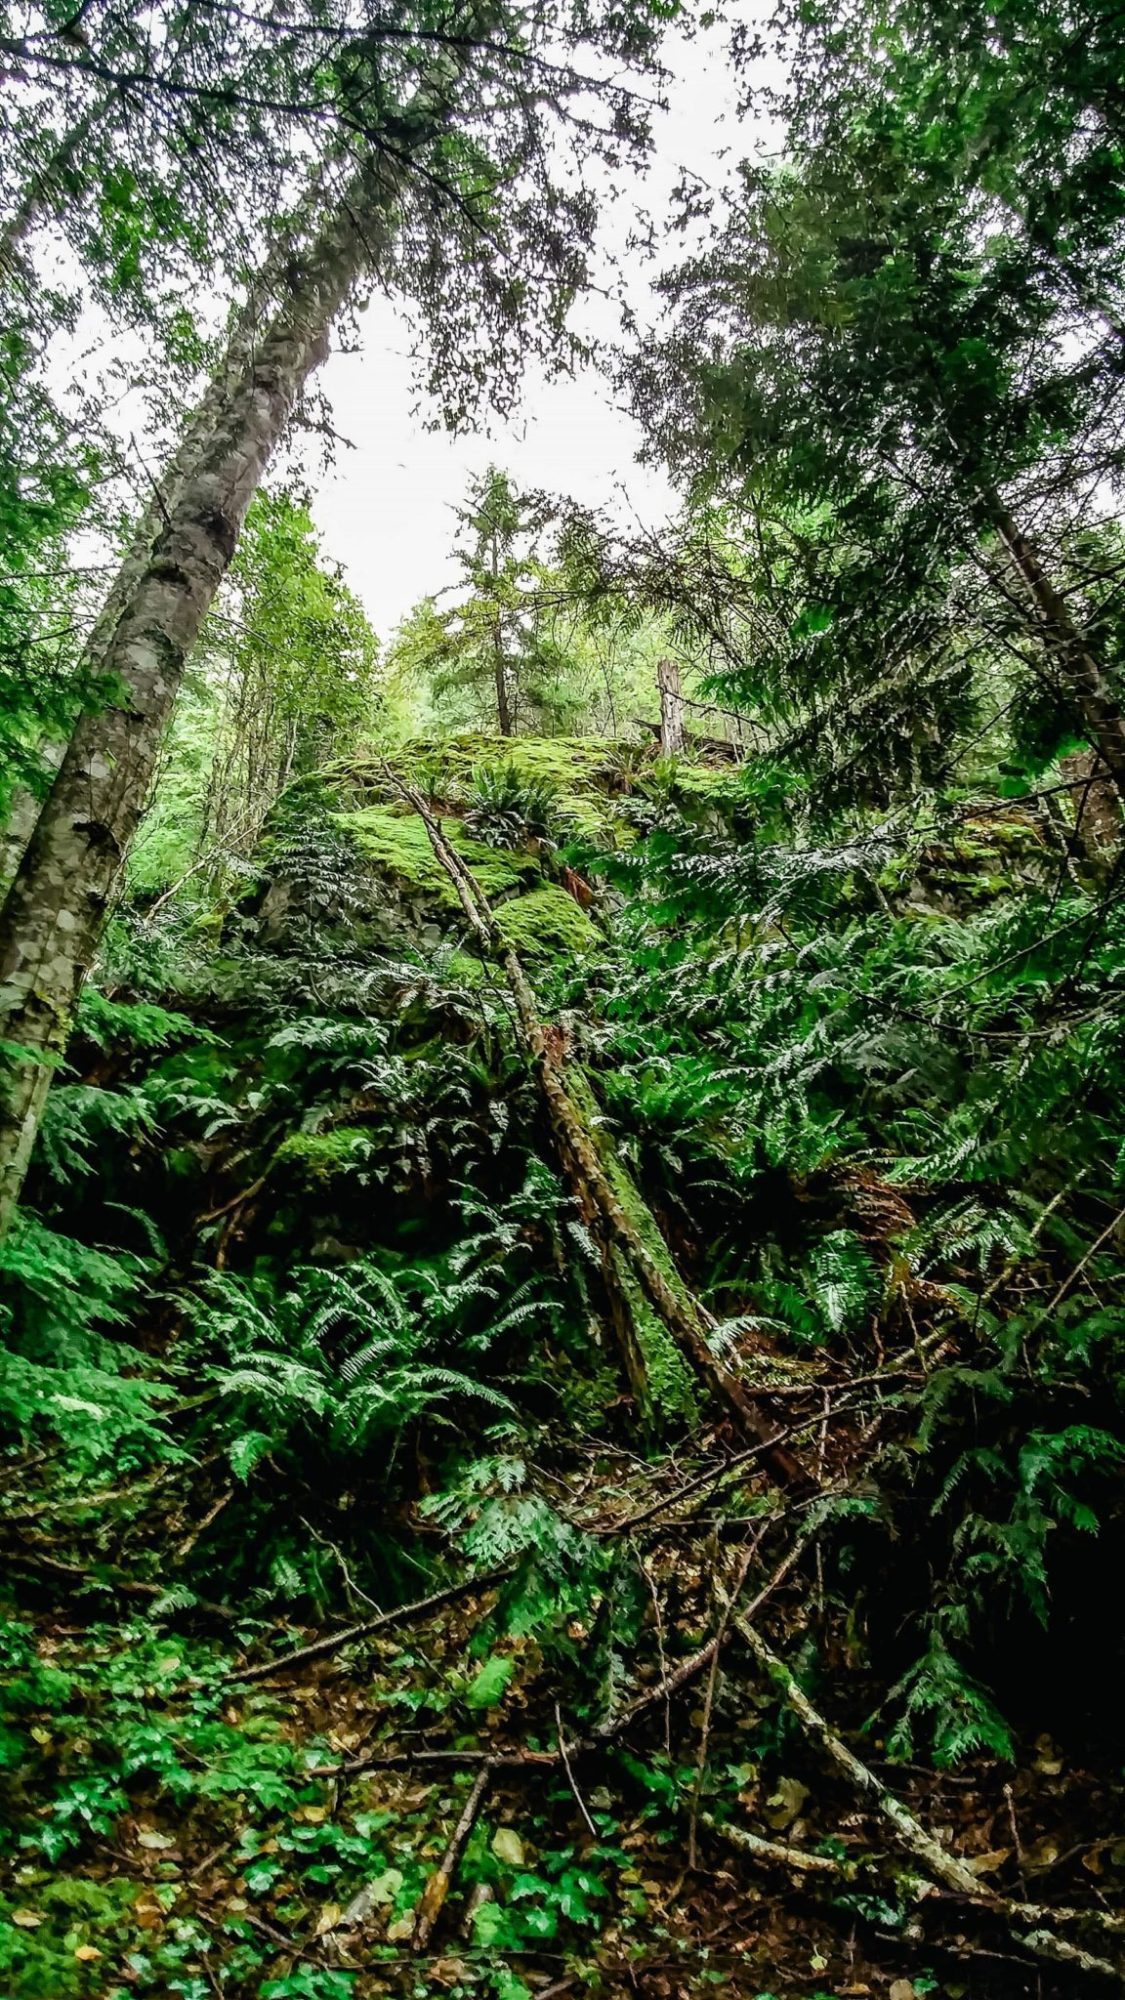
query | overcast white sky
[386, 509]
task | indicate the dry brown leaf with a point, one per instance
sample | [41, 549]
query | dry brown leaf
[1048, 1762]
[1042, 1853]
[987, 1864]
[786, 1802]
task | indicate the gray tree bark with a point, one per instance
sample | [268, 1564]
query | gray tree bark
[671, 708]
[22, 817]
[56, 908]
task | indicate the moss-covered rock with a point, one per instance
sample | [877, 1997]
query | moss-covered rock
[578, 772]
[396, 842]
[546, 923]
[315, 1159]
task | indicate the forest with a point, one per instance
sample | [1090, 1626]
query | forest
[562, 1221]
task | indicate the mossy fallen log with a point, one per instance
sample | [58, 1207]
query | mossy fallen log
[636, 1260]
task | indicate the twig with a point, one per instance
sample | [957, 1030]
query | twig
[1017, 1844]
[318, 1649]
[939, 1863]
[570, 1779]
[689, 1668]
[1081, 1265]
[715, 1474]
[209, 1860]
[124, 1586]
[186, 1546]
[278, 1938]
[709, 1697]
[658, 1619]
[236, 1201]
[437, 1888]
[405, 1760]
[772, 1850]
[80, 1502]
[1042, 1943]
[615, 1725]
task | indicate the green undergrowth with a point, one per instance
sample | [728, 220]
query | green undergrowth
[304, 1318]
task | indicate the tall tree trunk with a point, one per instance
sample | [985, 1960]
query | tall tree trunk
[247, 329]
[1078, 663]
[503, 700]
[56, 908]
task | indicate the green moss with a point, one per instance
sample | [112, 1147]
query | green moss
[547, 923]
[461, 969]
[397, 842]
[314, 1159]
[564, 763]
[576, 770]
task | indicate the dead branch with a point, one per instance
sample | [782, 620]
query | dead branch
[678, 1311]
[404, 1614]
[772, 1851]
[939, 1864]
[438, 1886]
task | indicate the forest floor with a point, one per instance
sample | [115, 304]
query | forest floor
[393, 1815]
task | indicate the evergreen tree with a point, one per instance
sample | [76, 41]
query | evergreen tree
[908, 376]
[497, 643]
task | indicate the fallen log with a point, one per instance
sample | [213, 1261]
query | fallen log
[638, 1244]
[938, 1864]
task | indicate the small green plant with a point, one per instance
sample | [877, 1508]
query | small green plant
[506, 807]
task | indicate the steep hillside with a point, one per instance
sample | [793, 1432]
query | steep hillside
[560, 1404]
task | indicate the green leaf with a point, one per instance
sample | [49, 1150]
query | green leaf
[488, 1688]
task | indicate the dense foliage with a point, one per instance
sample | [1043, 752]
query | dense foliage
[563, 1407]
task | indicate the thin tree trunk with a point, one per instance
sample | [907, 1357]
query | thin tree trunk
[500, 664]
[42, 187]
[57, 906]
[503, 704]
[1082, 670]
[671, 708]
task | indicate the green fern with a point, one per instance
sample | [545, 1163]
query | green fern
[941, 1704]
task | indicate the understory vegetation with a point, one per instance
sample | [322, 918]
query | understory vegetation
[562, 1418]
